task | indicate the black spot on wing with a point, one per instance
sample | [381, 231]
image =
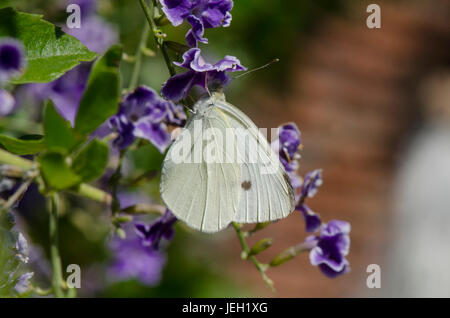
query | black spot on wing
[246, 185]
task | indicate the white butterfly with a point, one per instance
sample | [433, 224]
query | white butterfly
[209, 182]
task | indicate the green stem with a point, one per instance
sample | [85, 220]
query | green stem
[57, 276]
[83, 189]
[41, 292]
[20, 125]
[144, 208]
[291, 253]
[149, 13]
[114, 182]
[93, 193]
[245, 250]
[138, 57]
[16, 196]
[10, 159]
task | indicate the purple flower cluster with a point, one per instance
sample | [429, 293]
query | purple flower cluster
[199, 73]
[151, 235]
[200, 14]
[133, 260]
[333, 243]
[331, 247]
[13, 280]
[287, 145]
[143, 114]
[12, 60]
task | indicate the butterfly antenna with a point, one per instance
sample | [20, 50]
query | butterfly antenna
[258, 68]
[206, 84]
[190, 110]
[188, 107]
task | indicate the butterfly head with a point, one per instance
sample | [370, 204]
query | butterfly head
[217, 95]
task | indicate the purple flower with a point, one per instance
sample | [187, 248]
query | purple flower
[7, 103]
[87, 7]
[22, 248]
[143, 114]
[23, 282]
[312, 220]
[215, 13]
[11, 58]
[65, 92]
[96, 34]
[151, 235]
[195, 34]
[313, 180]
[176, 10]
[199, 73]
[133, 260]
[287, 145]
[201, 14]
[332, 245]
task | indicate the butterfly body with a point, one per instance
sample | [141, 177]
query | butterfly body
[221, 169]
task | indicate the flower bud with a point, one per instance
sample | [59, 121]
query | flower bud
[261, 246]
[122, 219]
[260, 226]
[281, 258]
[121, 233]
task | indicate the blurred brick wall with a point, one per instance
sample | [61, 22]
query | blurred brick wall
[353, 96]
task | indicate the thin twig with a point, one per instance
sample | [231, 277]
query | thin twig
[83, 189]
[291, 253]
[17, 195]
[245, 250]
[41, 292]
[114, 182]
[10, 159]
[149, 15]
[57, 276]
[93, 193]
[143, 208]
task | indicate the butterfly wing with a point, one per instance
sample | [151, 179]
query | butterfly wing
[203, 194]
[266, 191]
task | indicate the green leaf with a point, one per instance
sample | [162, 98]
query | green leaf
[59, 135]
[22, 146]
[56, 172]
[101, 98]
[91, 161]
[146, 158]
[49, 51]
